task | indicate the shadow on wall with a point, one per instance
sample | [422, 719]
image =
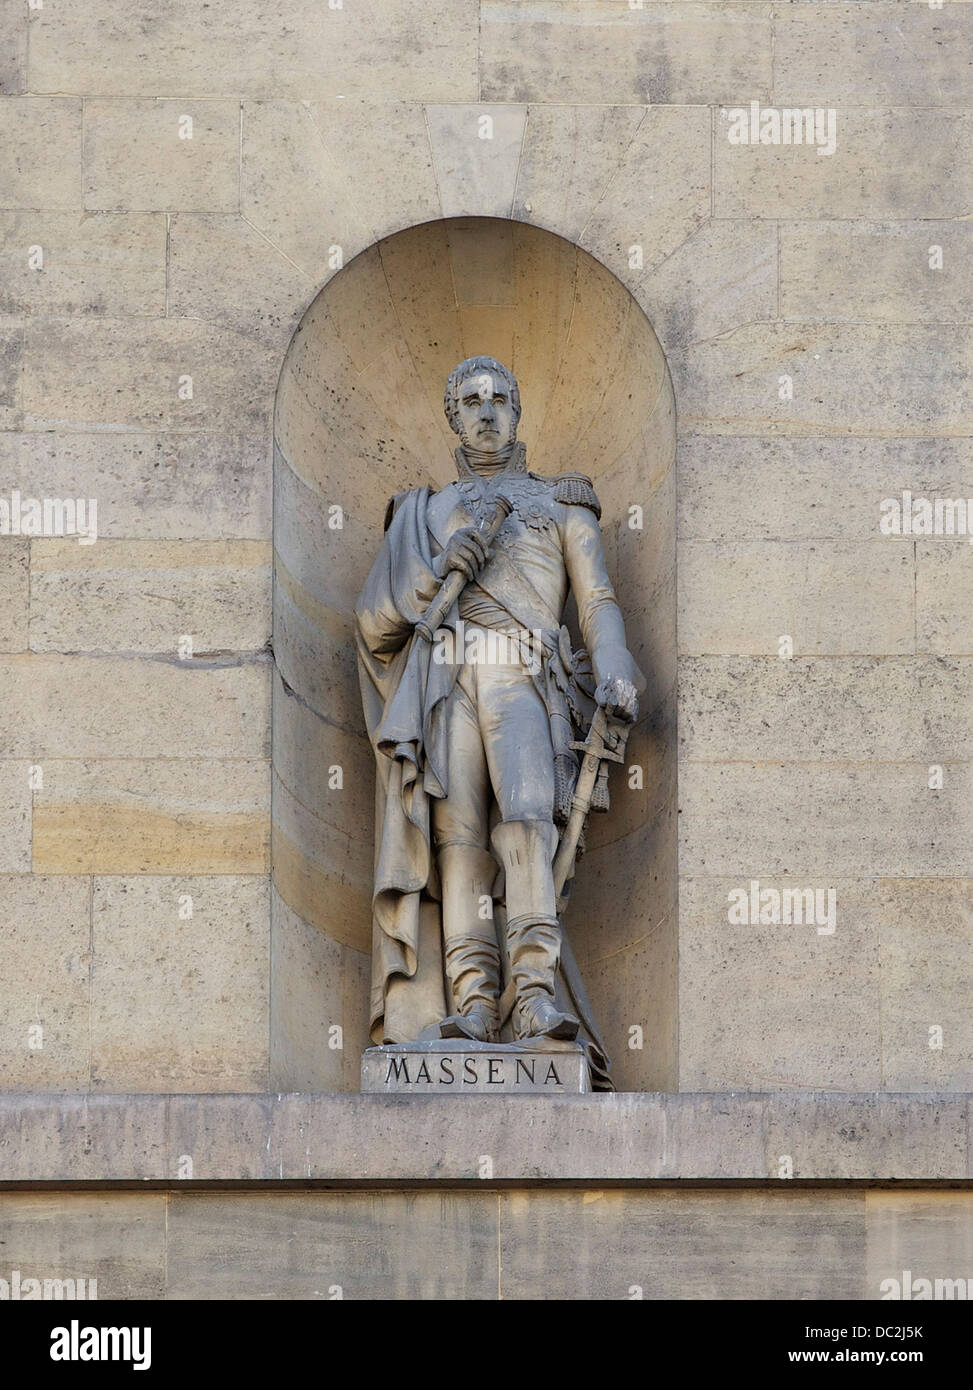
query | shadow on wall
[359, 416]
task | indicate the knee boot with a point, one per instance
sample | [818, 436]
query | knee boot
[526, 850]
[471, 953]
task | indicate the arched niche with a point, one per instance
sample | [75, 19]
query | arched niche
[358, 417]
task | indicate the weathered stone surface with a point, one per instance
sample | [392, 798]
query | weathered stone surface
[660, 193]
[569, 157]
[829, 597]
[597, 1137]
[117, 707]
[876, 271]
[452, 1068]
[40, 152]
[944, 595]
[142, 816]
[138, 373]
[15, 816]
[13, 47]
[223, 270]
[780, 1006]
[586, 50]
[179, 1002]
[117, 1239]
[733, 488]
[315, 52]
[11, 367]
[148, 596]
[748, 819]
[664, 1245]
[901, 162]
[843, 379]
[347, 1245]
[109, 264]
[928, 1234]
[45, 934]
[476, 164]
[165, 486]
[162, 154]
[14, 593]
[910, 55]
[318, 1006]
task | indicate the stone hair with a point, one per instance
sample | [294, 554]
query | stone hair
[468, 368]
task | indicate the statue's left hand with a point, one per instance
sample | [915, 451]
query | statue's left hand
[619, 698]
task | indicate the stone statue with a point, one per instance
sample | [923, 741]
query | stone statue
[477, 708]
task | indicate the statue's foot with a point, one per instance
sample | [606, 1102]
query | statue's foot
[543, 1020]
[477, 1025]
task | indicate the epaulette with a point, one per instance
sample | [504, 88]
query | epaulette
[577, 490]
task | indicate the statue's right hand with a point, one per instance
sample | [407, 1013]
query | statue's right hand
[466, 551]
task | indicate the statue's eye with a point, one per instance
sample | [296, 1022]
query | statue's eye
[500, 400]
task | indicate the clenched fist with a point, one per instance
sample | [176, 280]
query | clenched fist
[466, 551]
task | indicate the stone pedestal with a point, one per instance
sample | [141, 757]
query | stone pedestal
[444, 1067]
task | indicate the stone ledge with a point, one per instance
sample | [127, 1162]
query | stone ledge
[346, 1139]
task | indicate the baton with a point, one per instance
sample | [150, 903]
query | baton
[452, 586]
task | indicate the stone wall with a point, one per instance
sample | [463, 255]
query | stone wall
[820, 364]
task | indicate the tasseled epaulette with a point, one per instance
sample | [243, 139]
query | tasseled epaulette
[577, 490]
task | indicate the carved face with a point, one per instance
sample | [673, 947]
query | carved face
[486, 412]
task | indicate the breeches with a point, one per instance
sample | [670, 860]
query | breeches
[499, 741]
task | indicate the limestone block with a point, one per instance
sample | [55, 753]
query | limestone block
[178, 1002]
[778, 1006]
[164, 815]
[660, 193]
[162, 154]
[876, 271]
[923, 928]
[14, 593]
[944, 594]
[115, 1238]
[757, 708]
[314, 648]
[877, 1136]
[678, 1245]
[165, 486]
[903, 162]
[588, 50]
[297, 192]
[815, 379]
[828, 55]
[829, 597]
[322, 565]
[40, 152]
[11, 367]
[319, 1245]
[725, 275]
[13, 47]
[138, 373]
[15, 816]
[45, 934]
[733, 488]
[324, 874]
[928, 1234]
[117, 707]
[569, 157]
[633, 993]
[329, 770]
[147, 596]
[111, 264]
[312, 52]
[81, 1137]
[221, 269]
[319, 992]
[476, 154]
[824, 818]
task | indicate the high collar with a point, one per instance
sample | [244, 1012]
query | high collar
[514, 462]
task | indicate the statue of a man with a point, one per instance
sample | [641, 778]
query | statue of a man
[473, 734]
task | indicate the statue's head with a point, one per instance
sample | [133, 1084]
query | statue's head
[482, 404]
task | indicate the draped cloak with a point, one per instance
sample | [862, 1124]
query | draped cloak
[404, 696]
